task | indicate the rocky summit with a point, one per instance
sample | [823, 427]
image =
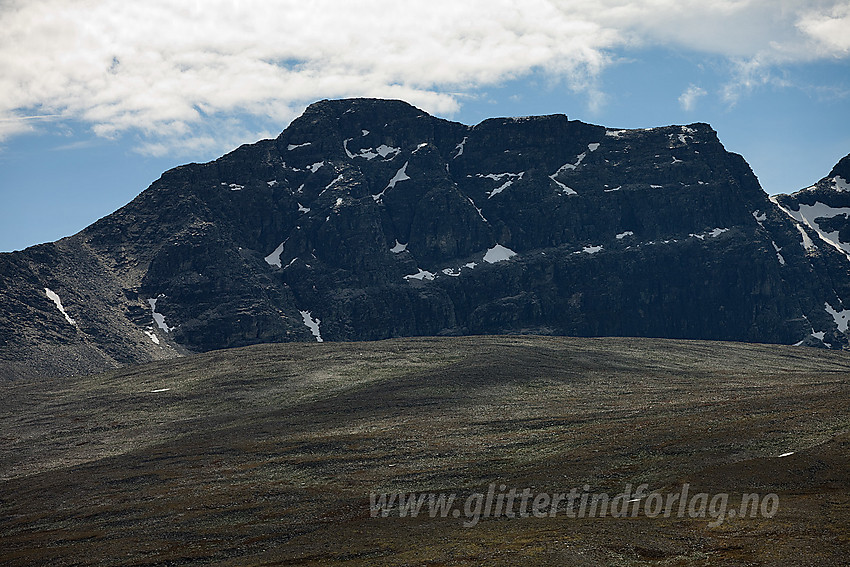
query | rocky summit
[368, 219]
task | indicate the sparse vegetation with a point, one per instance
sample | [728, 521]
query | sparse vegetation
[266, 455]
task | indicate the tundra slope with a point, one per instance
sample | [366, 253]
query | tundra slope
[266, 455]
[368, 219]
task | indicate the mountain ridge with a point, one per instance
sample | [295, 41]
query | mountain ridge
[368, 219]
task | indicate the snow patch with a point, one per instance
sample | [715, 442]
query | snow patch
[334, 182]
[152, 336]
[498, 253]
[383, 151]
[840, 184]
[591, 249]
[759, 216]
[401, 175]
[841, 318]
[614, 189]
[235, 187]
[291, 147]
[788, 454]
[271, 183]
[159, 318]
[451, 272]
[656, 186]
[622, 235]
[303, 209]
[712, 233]
[807, 215]
[807, 241]
[593, 147]
[579, 159]
[52, 296]
[778, 255]
[398, 248]
[273, 259]
[312, 324]
[316, 166]
[563, 168]
[459, 147]
[364, 132]
[566, 190]
[498, 177]
[420, 275]
[470, 265]
[614, 133]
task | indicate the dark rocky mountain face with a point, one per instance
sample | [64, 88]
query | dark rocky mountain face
[369, 219]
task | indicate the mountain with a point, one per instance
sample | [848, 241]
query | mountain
[368, 219]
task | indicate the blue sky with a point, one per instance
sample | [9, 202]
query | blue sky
[98, 98]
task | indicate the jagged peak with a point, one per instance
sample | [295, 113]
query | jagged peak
[842, 169]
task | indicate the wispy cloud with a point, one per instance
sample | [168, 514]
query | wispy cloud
[166, 70]
[688, 99]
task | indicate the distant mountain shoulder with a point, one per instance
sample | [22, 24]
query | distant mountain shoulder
[368, 219]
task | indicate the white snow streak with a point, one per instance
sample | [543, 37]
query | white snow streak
[498, 177]
[312, 324]
[401, 175]
[152, 336]
[398, 248]
[52, 296]
[566, 166]
[807, 242]
[291, 147]
[159, 318]
[459, 147]
[807, 214]
[778, 255]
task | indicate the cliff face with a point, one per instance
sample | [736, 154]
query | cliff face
[369, 219]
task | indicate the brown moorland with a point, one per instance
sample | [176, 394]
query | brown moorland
[267, 455]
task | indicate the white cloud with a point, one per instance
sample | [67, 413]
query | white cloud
[830, 29]
[166, 70]
[688, 99]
